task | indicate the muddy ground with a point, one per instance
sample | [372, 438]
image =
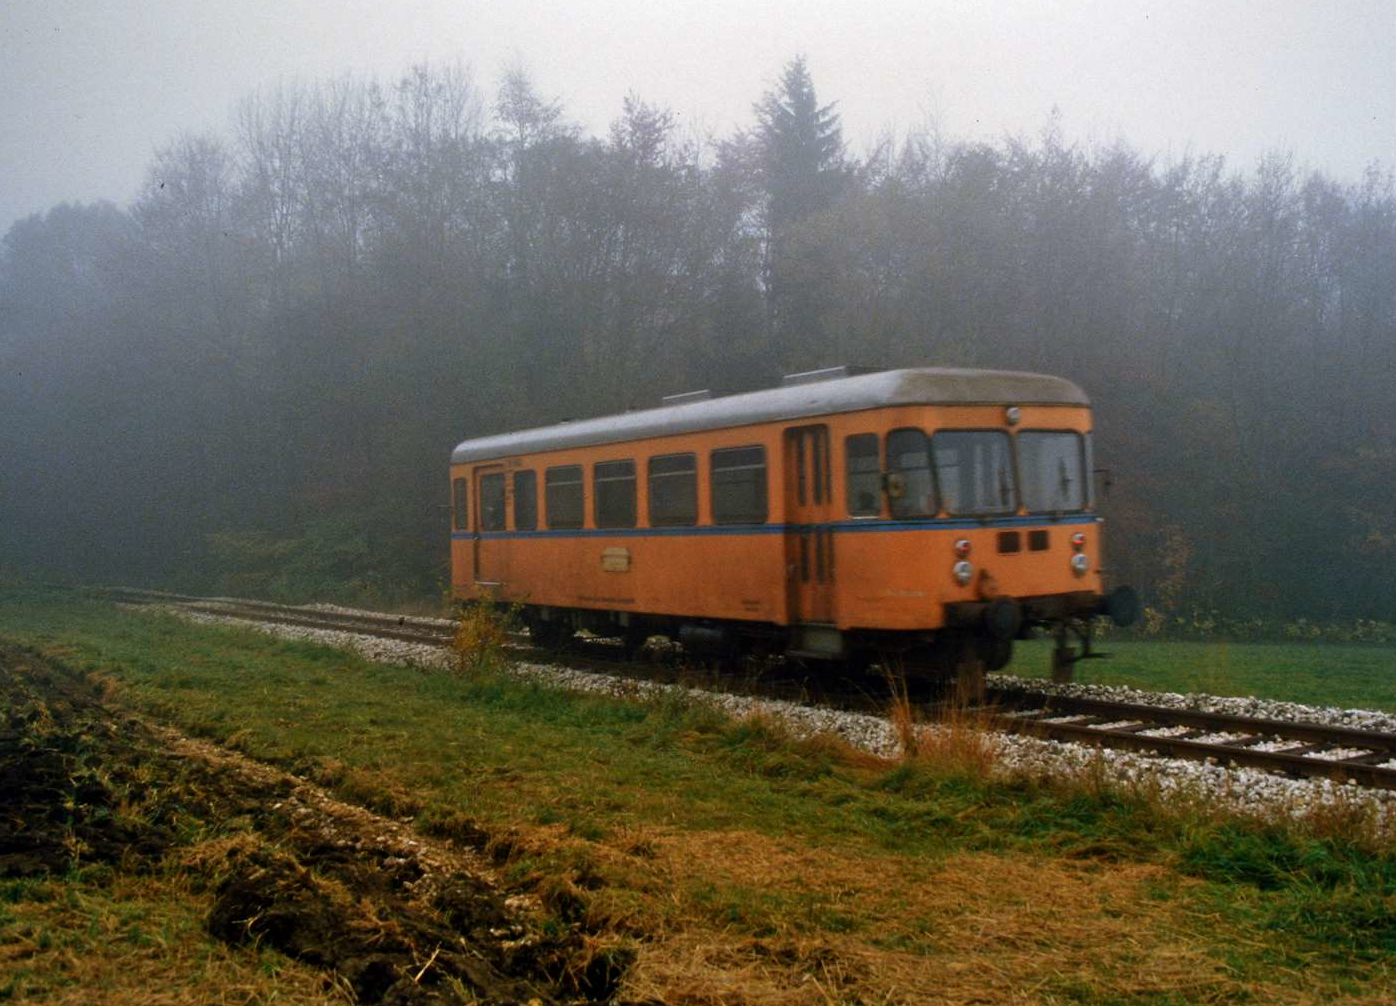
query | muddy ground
[394, 916]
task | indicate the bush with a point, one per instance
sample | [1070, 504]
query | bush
[481, 635]
[356, 558]
[1210, 625]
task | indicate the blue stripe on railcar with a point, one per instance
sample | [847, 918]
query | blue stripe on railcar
[859, 526]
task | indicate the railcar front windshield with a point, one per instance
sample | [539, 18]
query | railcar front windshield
[908, 459]
[975, 471]
[1054, 470]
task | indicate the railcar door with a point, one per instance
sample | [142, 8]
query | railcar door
[491, 545]
[809, 539]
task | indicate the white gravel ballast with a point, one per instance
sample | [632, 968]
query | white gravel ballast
[1247, 790]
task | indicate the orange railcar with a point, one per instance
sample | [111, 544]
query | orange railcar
[936, 514]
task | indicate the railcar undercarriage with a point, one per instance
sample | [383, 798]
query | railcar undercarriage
[978, 636]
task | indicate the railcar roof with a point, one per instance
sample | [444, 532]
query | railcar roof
[920, 386]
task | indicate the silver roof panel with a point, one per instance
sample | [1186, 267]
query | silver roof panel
[920, 386]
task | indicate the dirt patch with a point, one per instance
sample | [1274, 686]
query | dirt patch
[391, 916]
[60, 798]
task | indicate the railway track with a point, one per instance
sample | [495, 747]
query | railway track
[1296, 749]
[405, 628]
[1309, 750]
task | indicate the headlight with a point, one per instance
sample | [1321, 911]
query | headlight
[963, 572]
[1080, 563]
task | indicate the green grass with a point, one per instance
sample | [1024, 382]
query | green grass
[98, 935]
[1330, 674]
[875, 851]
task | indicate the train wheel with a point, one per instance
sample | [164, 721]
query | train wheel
[862, 666]
[634, 639]
[549, 634]
[969, 682]
[996, 653]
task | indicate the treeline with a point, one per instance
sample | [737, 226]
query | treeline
[251, 378]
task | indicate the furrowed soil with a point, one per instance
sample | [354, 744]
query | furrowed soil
[383, 913]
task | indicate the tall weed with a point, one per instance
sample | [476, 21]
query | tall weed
[955, 740]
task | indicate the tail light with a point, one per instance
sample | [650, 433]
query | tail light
[962, 548]
[1078, 541]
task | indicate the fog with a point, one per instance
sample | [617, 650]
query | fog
[90, 91]
[243, 369]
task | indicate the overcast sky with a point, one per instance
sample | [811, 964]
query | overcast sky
[89, 89]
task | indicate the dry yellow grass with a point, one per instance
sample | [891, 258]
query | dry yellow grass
[975, 928]
[958, 740]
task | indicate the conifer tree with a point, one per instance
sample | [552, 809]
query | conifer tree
[803, 172]
[802, 149]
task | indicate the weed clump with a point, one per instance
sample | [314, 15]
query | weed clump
[957, 741]
[482, 633]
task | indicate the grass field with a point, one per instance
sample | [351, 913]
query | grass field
[1328, 674]
[740, 866]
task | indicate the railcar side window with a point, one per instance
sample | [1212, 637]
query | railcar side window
[614, 493]
[673, 483]
[974, 469]
[910, 487]
[739, 485]
[492, 502]
[525, 501]
[1053, 468]
[562, 491]
[864, 483]
[460, 513]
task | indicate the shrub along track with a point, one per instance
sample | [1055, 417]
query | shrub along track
[1300, 750]
[391, 915]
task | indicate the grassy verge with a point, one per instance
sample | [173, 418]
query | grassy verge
[101, 935]
[1360, 676]
[742, 866]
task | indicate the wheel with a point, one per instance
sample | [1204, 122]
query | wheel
[634, 639]
[861, 665]
[969, 682]
[549, 634]
[996, 653]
